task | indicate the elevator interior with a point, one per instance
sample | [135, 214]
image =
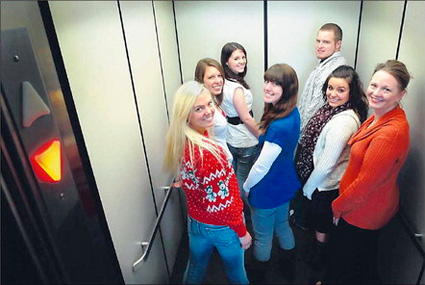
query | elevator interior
[102, 75]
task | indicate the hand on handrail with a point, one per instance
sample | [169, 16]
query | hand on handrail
[176, 184]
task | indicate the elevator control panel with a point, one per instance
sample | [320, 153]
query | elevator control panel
[30, 107]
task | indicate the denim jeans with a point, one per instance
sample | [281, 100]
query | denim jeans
[243, 160]
[267, 222]
[202, 240]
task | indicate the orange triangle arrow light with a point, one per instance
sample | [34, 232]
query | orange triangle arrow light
[47, 162]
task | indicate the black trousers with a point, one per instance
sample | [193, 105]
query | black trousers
[353, 256]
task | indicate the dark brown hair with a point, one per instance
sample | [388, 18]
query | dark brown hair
[357, 98]
[226, 52]
[286, 77]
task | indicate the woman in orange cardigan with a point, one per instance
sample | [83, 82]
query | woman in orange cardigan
[369, 195]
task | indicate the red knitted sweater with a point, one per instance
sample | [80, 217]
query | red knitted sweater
[212, 190]
[369, 194]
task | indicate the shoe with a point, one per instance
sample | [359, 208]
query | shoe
[286, 263]
[315, 281]
[256, 271]
[317, 259]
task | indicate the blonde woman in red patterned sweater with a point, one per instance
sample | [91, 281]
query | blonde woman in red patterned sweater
[369, 195]
[209, 182]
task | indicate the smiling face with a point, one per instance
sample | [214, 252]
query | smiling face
[213, 80]
[237, 61]
[384, 92]
[326, 45]
[202, 114]
[272, 92]
[337, 92]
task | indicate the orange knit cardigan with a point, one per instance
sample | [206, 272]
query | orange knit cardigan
[369, 194]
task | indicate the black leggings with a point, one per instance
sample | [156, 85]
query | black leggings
[353, 257]
[321, 210]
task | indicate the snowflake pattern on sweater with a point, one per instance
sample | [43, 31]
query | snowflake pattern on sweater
[212, 191]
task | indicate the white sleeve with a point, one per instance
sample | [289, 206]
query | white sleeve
[268, 155]
[335, 142]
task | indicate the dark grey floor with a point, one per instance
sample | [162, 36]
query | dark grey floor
[216, 275]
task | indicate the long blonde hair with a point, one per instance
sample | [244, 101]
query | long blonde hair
[180, 131]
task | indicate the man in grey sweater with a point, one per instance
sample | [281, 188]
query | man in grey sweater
[328, 45]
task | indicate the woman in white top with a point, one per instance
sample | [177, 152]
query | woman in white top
[209, 72]
[323, 152]
[242, 134]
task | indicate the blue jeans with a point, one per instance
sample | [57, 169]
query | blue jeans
[202, 240]
[243, 160]
[265, 222]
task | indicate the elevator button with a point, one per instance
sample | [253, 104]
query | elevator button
[47, 162]
[33, 107]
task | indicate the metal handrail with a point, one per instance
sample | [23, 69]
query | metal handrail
[147, 246]
[416, 239]
[413, 235]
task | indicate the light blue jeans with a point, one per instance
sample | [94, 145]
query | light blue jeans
[202, 240]
[265, 222]
[243, 159]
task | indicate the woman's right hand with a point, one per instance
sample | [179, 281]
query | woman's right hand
[177, 184]
[246, 241]
[335, 221]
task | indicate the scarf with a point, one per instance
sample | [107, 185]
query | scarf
[304, 154]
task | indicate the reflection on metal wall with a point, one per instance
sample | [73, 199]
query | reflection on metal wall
[44, 206]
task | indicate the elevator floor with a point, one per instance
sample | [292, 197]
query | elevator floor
[216, 275]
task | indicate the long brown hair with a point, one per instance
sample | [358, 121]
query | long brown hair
[286, 77]
[201, 66]
[226, 53]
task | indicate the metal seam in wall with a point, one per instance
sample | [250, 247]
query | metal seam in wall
[139, 121]
[358, 34]
[178, 43]
[266, 46]
[160, 61]
[181, 81]
[168, 118]
[166, 103]
[401, 29]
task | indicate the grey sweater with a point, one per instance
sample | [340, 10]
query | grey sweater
[312, 97]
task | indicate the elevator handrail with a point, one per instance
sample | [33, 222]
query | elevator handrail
[416, 239]
[147, 246]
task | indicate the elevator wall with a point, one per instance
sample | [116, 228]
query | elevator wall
[125, 59]
[278, 31]
[112, 58]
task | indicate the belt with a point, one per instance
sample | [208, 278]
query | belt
[237, 120]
